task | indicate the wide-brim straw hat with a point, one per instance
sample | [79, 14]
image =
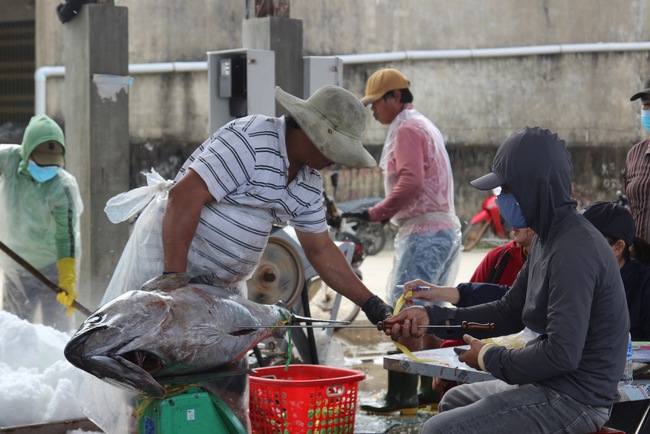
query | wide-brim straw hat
[334, 120]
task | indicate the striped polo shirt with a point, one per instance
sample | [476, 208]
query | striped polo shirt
[245, 167]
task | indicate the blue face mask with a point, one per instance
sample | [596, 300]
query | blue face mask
[42, 173]
[645, 119]
[510, 210]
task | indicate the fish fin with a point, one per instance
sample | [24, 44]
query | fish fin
[167, 282]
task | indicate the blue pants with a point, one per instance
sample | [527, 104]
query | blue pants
[432, 257]
[497, 407]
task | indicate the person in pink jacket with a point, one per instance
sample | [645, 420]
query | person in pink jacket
[420, 201]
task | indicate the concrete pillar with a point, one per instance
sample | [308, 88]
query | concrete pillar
[97, 135]
[284, 36]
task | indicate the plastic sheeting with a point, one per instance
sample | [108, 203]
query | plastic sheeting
[29, 228]
[427, 244]
[142, 258]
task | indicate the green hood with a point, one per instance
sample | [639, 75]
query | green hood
[41, 129]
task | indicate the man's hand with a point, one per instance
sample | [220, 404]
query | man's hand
[406, 323]
[67, 282]
[376, 309]
[363, 215]
[470, 357]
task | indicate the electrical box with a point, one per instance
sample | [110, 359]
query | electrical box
[321, 70]
[241, 82]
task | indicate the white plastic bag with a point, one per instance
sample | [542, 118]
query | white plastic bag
[128, 204]
[142, 257]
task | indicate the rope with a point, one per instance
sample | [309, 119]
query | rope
[402, 348]
[171, 389]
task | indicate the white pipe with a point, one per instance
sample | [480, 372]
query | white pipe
[40, 81]
[536, 50]
[42, 73]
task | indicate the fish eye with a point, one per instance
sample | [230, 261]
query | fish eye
[95, 319]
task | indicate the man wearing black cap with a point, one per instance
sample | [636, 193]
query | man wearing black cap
[569, 292]
[637, 171]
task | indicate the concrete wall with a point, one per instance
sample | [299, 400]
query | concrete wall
[475, 102]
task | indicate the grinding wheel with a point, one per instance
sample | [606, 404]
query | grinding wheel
[278, 276]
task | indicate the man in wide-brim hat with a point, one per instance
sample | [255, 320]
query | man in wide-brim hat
[258, 171]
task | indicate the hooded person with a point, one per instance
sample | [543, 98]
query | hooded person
[40, 222]
[568, 293]
[252, 173]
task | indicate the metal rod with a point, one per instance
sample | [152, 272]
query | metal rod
[331, 326]
[40, 276]
[380, 326]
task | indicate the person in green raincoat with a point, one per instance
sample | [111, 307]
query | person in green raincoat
[39, 220]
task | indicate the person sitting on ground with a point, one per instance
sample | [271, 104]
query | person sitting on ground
[568, 292]
[617, 226]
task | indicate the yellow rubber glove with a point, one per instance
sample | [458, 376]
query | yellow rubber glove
[67, 282]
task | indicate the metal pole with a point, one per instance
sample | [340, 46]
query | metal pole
[40, 276]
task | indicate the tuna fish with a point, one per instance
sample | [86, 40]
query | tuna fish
[169, 327]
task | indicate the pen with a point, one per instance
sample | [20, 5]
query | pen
[416, 288]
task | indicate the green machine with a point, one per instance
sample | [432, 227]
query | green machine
[194, 410]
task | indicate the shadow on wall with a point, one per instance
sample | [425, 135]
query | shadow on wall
[165, 155]
[12, 132]
[597, 172]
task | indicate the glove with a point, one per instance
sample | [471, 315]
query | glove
[376, 309]
[67, 282]
[364, 215]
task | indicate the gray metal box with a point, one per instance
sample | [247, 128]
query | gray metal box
[321, 70]
[241, 82]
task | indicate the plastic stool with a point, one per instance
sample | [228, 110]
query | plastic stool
[608, 430]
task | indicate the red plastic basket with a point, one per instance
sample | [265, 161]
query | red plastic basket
[305, 399]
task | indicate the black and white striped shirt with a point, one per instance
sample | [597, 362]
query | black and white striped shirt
[245, 167]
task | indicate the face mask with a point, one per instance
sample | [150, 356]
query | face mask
[510, 210]
[42, 173]
[645, 119]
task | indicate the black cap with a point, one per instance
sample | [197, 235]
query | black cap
[612, 220]
[644, 92]
[488, 181]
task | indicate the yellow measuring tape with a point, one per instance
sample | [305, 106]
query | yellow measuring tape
[402, 348]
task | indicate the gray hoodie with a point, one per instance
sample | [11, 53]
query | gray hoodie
[569, 291]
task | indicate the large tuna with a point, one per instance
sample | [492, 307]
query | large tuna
[169, 327]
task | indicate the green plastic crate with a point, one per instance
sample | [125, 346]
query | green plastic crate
[195, 411]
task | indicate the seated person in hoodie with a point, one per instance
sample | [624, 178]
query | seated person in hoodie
[569, 292]
[491, 279]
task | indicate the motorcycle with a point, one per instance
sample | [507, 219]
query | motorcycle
[372, 235]
[487, 218]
